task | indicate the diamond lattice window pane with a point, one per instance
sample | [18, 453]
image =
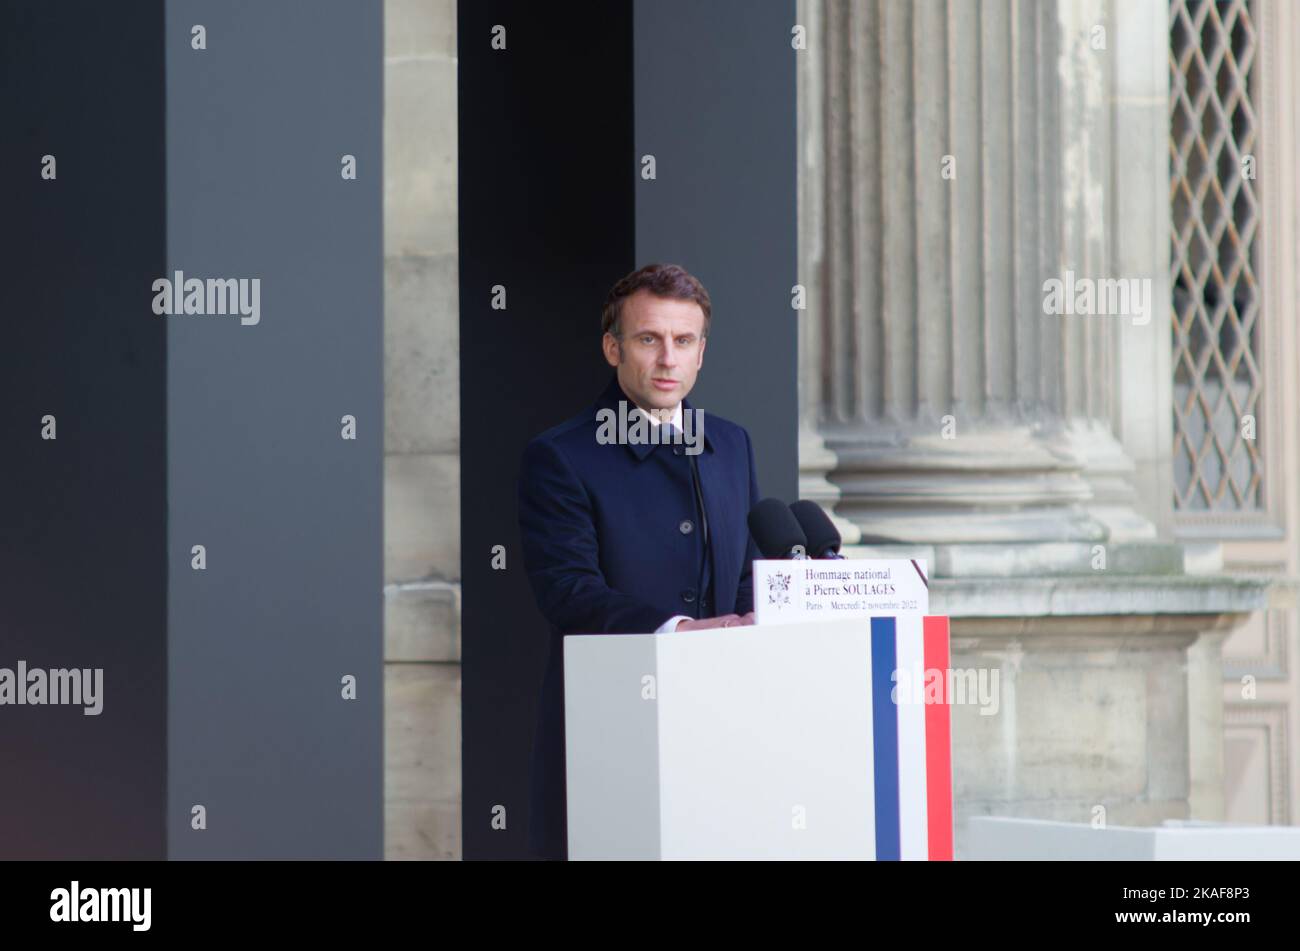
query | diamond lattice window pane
[1216, 303]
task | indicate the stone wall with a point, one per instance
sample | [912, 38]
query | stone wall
[422, 785]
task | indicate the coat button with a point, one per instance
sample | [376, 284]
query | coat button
[686, 527]
[688, 595]
[677, 450]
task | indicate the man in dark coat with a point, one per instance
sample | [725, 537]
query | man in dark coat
[633, 513]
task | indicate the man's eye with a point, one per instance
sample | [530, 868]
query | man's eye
[647, 339]
[684, 341]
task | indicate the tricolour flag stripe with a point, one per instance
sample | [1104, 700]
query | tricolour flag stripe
[913, 811]
[870, 823]
[938, 742]
[885, 733]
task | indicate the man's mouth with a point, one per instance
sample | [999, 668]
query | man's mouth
[665, 384]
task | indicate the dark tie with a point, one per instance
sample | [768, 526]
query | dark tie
[707, 602]
[674, 437]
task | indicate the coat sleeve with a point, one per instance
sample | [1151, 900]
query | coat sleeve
[562, 553]
[745, 591]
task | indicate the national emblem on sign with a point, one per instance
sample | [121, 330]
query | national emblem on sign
[778, 588]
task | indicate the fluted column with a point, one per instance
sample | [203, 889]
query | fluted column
[956, 176]
[816, 460]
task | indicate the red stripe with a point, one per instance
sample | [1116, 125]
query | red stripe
[938, 744]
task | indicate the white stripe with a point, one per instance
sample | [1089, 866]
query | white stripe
[912, 793]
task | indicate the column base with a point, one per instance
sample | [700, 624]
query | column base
[1006, 485]
[815, 463]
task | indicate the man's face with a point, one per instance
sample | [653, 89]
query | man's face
[661, 351]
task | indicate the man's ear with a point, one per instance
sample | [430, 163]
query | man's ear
[704, 342]
[609, 345]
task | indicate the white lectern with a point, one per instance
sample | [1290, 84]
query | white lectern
[815, 740]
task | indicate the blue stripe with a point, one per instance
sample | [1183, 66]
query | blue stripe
[884, 719]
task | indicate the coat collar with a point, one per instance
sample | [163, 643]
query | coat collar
[614, 394]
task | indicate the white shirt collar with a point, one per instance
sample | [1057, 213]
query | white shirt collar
[676, 420]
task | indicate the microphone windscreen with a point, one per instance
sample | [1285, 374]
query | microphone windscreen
[775, 529]
[823, 537]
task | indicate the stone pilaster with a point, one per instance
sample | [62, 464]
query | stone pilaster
[422, 781]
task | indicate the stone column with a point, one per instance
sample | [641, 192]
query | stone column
[815, 459]
[965, 163]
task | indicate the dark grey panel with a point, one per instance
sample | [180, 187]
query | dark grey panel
[83, 572]
[715, 105]
[545, 210]
[290, 512]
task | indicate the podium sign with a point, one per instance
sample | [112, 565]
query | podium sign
[813, 589]
[793, 741]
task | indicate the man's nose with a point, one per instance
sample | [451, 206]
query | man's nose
[667, 357]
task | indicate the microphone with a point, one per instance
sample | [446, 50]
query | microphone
[823, 537]
[776, 531]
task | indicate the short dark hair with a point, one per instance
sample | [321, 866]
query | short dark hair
[661, 280]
